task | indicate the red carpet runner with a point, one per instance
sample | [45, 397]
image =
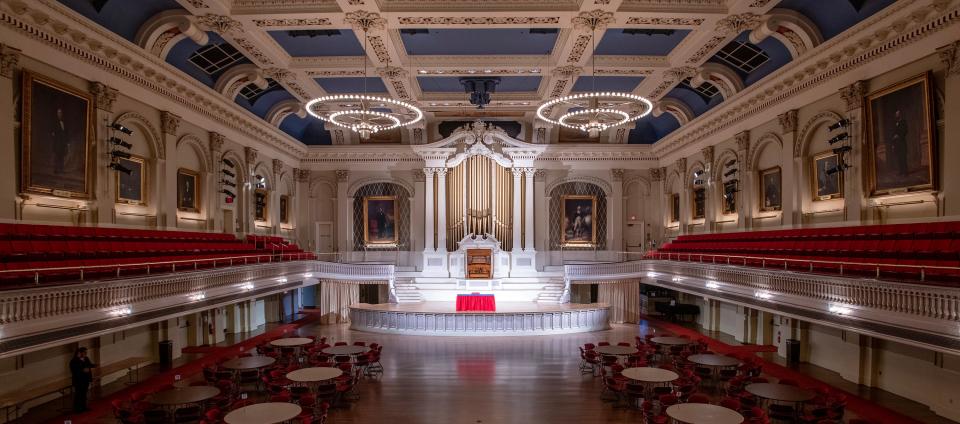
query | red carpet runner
[864, 409]
[101, 408]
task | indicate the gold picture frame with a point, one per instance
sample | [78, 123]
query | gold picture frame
[188, 190]
[58, 120]
[698, 203]
[140, 170]
[573, 220]
[381, 228]
[901, 155]
[261, 204]
[823, 186]
[771, 195]
[675, 207]
[284, 209]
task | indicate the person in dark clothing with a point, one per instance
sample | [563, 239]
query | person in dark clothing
[60, 135]
[898, 140]
[81, 370]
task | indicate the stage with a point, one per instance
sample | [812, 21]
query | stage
[510, 319]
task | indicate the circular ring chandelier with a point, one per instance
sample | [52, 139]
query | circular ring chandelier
[595, 111]
[364, 121]
[361, 113]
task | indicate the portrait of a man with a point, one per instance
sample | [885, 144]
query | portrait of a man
[284, 204]
[131, 187]
[826, 185]
[900, 136]
[770, 189]
[699, 203]
[260, 204]
[188, 190]
[57, 136]
[578, 220]
[380, 220]
[729, 197]
[674, 207]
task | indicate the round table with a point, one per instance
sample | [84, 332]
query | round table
[184, 395]
[781, 392]
[314, 375]
[345, 350]
[292, 342]
[263, 413]
[712, 360]
[650, 374]
[249, 363]
[671, 341]
[616, 350]
[703, 413]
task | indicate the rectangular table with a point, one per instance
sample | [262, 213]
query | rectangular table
[476, 302]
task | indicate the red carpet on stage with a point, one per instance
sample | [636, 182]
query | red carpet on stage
[476, 302]
[863, 408]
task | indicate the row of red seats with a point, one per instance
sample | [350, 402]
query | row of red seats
[32, 231]
[925, 248]
[930, 230]
[24, 249]
[875, 250]
[24, 273]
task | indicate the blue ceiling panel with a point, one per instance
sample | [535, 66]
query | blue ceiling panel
[308, 130]
[263, 102]
[344, 44]
[180, 54]
[650, 129]
[478, 42]
[120, 16]
[835, 16]
[696, 102]
[351, 85]
[606, 83]
[513, 84]
[616, 42]
[778, 53]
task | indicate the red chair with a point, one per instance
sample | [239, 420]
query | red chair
[698, 398]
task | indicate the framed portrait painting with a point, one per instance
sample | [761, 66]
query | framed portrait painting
[771, 189]
[284, 213]
[675, 207]
[699, 203]
[579, 220]
[132, 187]
[260, 197]
[380, 220]
[188, 190]
[56, 139]
[826, 185]
[900, 138]
[729, 197]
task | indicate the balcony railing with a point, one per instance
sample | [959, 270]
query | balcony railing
[45, 302]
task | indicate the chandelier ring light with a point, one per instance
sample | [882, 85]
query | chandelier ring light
[596, 111]
[362, 118]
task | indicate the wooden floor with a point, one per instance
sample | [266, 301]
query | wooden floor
[481, 380]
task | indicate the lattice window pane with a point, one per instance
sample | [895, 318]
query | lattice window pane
[706, 89]
[215, 57]
[403, 214]
[556, 226]
[251, 91]
[744, 56]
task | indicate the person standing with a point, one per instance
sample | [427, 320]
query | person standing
[60, 136]
[81, 370]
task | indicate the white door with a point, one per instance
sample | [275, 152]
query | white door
[324, 236]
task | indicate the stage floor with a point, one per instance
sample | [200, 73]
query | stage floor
[502, 307]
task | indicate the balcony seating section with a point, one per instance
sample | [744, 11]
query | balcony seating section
[906, 252]
[62, 252]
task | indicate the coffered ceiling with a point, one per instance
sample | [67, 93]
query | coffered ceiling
[272, 56]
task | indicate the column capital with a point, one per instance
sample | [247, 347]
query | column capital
[277, 167]
[103, 96]
[216, 142]
[441, 172]
[169, 123]
[657, 174]
[853, 95]
[517, 172]
[342, 175]
[618, 174]
[707, 153]
[540, 175]
[250, 155]
[302, 175]
[419, 176]
[529, 172]
[9, 59]
[788, 121]
[743, 141]
[950, 56]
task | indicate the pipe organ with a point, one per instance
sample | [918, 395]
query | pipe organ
[479, 201]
